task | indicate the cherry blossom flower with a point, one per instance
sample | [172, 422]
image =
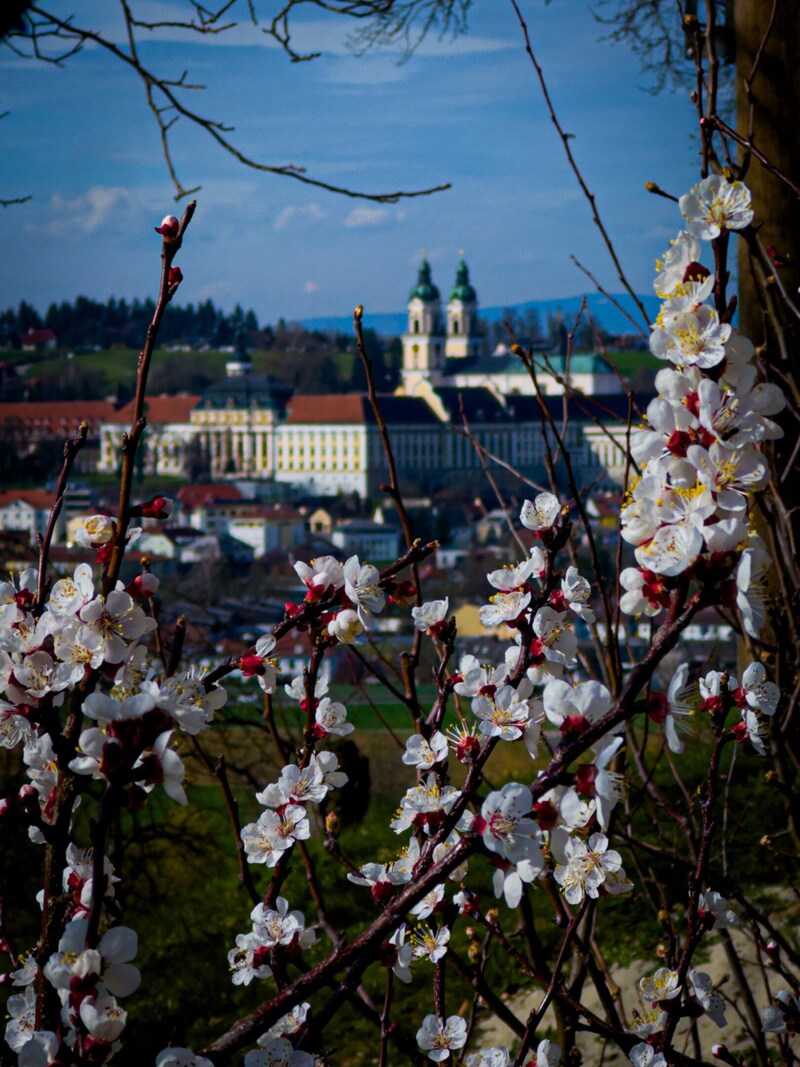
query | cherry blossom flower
[587, 868]
[322, 577]
[96, 530]
[644, 1055]
[693, 338]
[779, 1018]
[712, 1003]
[438, 1038]
[751, 586]
[577, 593]
[547, 1054]
[103, 1017]
[426, 907]
[505, 826]
[278, 1052]
[362, 587]
[41, 1050]
[663, 985]
[288, 1024]
[424, 805]
[162, 766]
[574, 708]
[246, 960]
[268, 838]
[506, 713]
[430, 944]
[490, 1057]
[554, 641]
[713, 908]
[431, 616]
[756, 691]
[181, 1057]
[540, 514]
[279, 926]
[714, 205]
[400, 954]
[331, 718]
[672, 550]
[117, 619]
[683, 252]
[422, 753]
[504, 607]
[346, 626]
[21, 1025]
[69, 595]
[184, 697]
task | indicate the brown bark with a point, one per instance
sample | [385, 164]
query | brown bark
[770, 111]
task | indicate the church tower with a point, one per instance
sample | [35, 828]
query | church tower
[424, 342]
[462, 317]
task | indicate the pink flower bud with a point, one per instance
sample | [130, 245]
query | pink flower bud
[174, 278]
[158, 507]
[169, 228]
[720, 1052]
[250, 665]
[143, 585]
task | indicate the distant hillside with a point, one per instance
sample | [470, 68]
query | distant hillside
[391, 324]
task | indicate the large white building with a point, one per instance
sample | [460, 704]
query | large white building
[249, 426]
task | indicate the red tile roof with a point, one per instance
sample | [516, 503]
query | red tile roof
[37, 498]
[195, 494]
[159, 409]
[56, 415]
[356, 408]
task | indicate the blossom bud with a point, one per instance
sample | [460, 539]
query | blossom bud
[546, 814]
[250, 665]
[169, 228]
[358, 314]
[175, 277]
[403, 593]
[5, 805]
[332, 825]
[158, 507]
[29, 800]
[382, 892]
[143, 585]
[96, 530]
[345, 626]
[773, 950]
[720, 1052]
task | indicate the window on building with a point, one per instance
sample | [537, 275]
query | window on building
[456, 326]
[416, 325]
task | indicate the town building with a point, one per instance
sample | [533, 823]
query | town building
[457, 408]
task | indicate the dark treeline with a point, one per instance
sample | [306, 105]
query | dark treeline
[86, 323]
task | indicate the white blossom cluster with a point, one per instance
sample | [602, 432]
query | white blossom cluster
[688, 512]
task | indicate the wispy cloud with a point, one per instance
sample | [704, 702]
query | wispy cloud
[366, 216]
[291, 215]
[90, 212]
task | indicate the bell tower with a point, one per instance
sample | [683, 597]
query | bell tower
[424, 341]
[462, 317]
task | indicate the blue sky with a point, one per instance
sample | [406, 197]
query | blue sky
[81, 141]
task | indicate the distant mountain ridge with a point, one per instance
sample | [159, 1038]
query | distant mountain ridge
[604, 313]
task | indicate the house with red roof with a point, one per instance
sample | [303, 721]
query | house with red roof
[38, 340]
[27, 511]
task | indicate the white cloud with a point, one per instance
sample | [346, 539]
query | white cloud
[310, 287]
[305, 214]
[91, 211]
[366, 216]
